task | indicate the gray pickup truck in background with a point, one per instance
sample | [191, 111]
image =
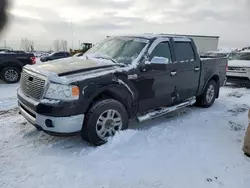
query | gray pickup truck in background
[123, 77]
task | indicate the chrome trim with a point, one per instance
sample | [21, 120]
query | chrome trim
[155, 43]
[38, 76]
[27, 115]
[166, 110]
[25, 106]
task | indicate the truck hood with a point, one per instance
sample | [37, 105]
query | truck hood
[72, 65]
[238, 63]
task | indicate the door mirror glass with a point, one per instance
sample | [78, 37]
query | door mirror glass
[159, 60]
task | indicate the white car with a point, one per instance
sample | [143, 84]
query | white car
[239, 69]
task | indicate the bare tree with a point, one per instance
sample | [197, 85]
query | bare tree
[60, 45]
[27, 45]
[56, 45]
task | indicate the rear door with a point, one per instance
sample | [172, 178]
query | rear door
[187, 68]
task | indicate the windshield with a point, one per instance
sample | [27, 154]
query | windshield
[243, 56]
[120, 49]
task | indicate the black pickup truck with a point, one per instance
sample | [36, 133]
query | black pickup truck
[120, 78]
[11, 64]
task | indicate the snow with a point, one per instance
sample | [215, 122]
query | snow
[8, 96]
[52, 76]
[193, 147]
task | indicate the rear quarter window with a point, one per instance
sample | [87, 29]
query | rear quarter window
[184, 52]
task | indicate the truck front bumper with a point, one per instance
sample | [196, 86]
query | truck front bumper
[51, 124]
[238, 77]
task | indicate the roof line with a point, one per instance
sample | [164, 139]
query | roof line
[208, 36]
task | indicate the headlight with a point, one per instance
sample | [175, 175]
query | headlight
[62, 92]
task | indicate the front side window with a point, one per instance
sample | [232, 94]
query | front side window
[121, 49]
[184, 51]
[161, 54]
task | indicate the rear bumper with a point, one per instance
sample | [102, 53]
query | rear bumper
[66, 124]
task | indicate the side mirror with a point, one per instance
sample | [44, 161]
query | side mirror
[157, 63]
[160, 60]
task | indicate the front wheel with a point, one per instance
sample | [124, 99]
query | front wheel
[104, 120]
[11, 75]
[208, 97]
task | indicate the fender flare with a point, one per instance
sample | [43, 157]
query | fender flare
[117, 90]
[216, 78]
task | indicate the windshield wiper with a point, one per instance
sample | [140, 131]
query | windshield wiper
[108, 58]
[104, 56]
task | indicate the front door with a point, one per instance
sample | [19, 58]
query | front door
[154, 84]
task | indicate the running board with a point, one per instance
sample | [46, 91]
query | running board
[166, 110]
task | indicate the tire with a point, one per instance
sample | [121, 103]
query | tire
[10, 75]
[208, 97]
[105, 118]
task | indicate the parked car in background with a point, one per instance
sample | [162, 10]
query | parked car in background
[41, 54]
[11, 65]
[54, 56]
[239, 69]
[219, 54]
[124, 77]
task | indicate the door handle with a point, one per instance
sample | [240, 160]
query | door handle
[173, 73]
[196, 68]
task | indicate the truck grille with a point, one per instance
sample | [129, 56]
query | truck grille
[237, 69]
[31, 85]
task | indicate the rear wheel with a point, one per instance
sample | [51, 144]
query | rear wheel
[104, 120]
[11, 74]
[208, 97]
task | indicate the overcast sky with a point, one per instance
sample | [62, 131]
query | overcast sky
[46, 20]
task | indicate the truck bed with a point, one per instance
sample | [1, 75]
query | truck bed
[209, 66]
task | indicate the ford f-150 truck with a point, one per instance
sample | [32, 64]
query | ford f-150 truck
[120, 78]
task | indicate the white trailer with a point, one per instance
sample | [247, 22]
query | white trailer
[203, 43]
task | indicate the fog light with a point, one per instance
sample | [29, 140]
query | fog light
[49, 123]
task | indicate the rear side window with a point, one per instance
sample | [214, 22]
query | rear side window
[184, 51]
[161, 52]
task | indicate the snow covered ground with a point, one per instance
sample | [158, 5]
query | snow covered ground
[8, 96]
[194, 147]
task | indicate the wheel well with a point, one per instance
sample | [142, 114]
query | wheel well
[217, 80]
[10, 65]
[110, 95]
